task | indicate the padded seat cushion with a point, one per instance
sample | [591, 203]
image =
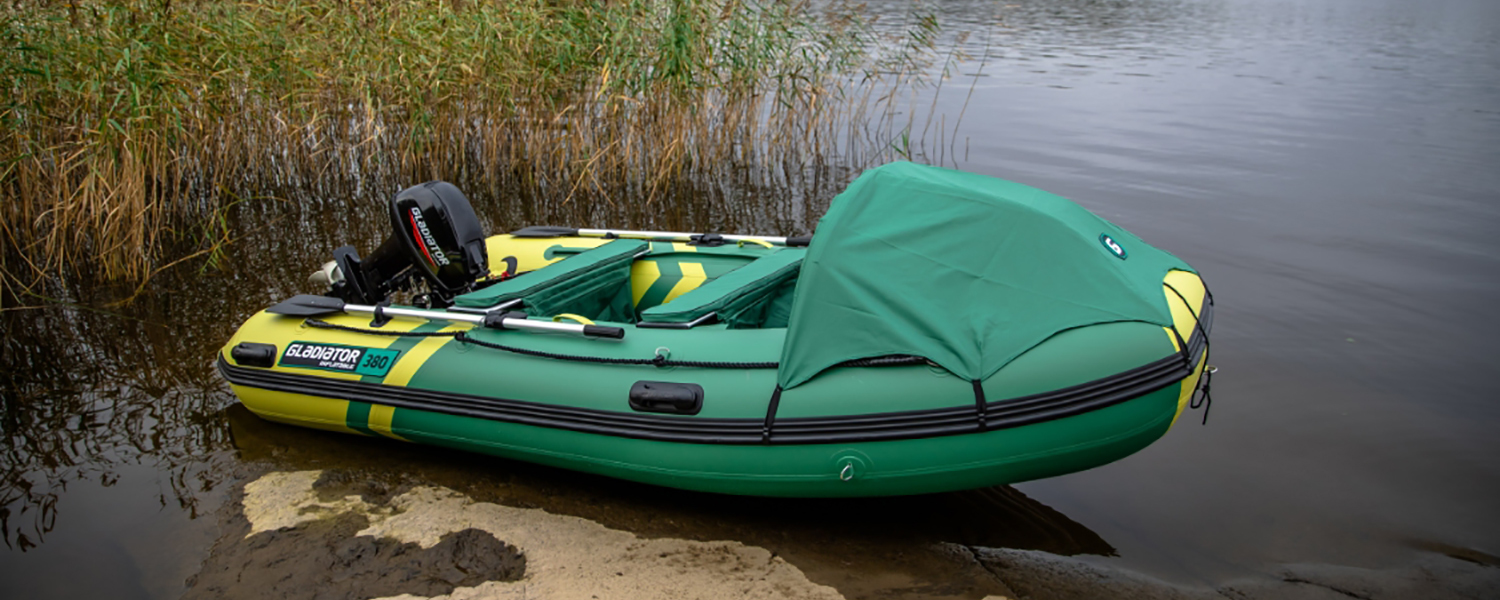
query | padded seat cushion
[591, 283]
[740, 297]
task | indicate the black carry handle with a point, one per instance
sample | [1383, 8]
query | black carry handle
[666, 397]
[798, 240]
[603, 331]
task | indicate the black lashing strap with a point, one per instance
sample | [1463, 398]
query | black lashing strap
[1206, 400]
[765, 430]
[979, 405]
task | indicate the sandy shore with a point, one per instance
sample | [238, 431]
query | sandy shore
[317, 534]
[565, 557]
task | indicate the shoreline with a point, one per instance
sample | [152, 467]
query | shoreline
[364, 538]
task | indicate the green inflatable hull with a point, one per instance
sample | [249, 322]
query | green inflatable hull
[1083, 398]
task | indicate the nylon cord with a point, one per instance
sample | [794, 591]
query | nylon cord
[658, 361]
[1206, 400]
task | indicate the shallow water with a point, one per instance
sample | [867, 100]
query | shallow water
[1328, 165]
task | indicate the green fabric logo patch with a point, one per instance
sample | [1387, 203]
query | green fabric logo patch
[336, 357]
[1114, 247]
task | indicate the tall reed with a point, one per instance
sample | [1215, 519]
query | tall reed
[125, 124]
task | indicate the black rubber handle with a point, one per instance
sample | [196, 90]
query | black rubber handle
[496, 320]
[251, 354]
[603, 331]
[799, 240]
[666, 397]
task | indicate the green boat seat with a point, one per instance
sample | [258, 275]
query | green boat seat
[758, 294]
[594, 283]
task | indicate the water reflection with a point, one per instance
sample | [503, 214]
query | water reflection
[94, 376]
[83, 393]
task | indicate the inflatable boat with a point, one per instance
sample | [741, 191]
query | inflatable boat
[939, 331]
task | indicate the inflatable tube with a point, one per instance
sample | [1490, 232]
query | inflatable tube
[698, 407]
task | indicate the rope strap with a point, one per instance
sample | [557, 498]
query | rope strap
[657, 361]
[1206, 399]
[321, 324]
[463, 337]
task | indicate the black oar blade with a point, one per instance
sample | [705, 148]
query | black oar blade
[543, 231]
[308, 305]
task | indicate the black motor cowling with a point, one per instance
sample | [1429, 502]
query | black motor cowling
[436, 238]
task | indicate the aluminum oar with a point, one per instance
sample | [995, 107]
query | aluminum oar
[678, 236]
[308, 305]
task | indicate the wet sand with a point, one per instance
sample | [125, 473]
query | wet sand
[347, 534]
[564, 557]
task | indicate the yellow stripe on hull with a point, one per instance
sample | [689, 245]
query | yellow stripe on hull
[414, 358]
[1189, 386]
[381, 416]
[380, 421]
[295, 409]
[1191, 287]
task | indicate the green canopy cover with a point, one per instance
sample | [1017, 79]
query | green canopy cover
[965, 270]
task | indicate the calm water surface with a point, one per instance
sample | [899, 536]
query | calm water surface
[1331, 166]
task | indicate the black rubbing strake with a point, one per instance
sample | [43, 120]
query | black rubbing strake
[958, 420]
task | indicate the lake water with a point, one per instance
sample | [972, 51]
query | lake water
[1332, 167]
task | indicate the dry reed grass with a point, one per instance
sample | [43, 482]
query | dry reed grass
[128, 126]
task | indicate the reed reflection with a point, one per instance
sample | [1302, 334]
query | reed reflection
[84, 393]
[97, 375]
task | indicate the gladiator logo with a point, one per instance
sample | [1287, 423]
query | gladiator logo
[432, 249]
[334, 357]
[1114, 247]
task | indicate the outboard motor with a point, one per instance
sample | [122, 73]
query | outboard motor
[436, 239]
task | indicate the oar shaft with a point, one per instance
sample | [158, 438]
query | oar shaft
[416, 313]
[438, 315]
[673, 235]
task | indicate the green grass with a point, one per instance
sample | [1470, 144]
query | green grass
[121, 119]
